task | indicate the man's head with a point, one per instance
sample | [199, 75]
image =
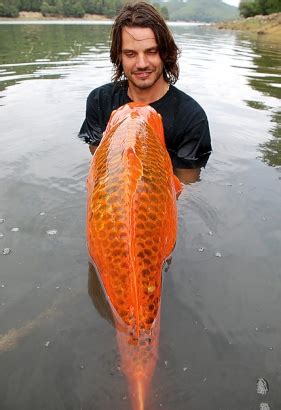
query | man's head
[143, 15]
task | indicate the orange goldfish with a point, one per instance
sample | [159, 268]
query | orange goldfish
[131, 231]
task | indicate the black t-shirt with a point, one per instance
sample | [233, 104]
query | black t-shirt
[185, 123]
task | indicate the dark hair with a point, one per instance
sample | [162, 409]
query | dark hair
[142, 14]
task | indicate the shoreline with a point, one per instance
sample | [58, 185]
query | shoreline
[269, 26]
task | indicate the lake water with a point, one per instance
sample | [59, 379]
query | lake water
[220, 341]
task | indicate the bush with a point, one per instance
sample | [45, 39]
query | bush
[7, 10]
[78, 10]
[66, 9]
[59, 7]
[248, 8]
[29, 5]
[90, 6]
[253, 7]
[73, 10]
[273, 6]
[48, 10]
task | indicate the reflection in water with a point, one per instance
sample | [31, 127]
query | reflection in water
[266, 79]
[220, 320]
[14, 336]
[271, 149]
[97, 293]
[47, 51]
[10, 339]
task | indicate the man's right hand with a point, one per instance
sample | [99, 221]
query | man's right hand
[93, 148]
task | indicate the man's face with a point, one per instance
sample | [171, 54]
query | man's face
[140, 57]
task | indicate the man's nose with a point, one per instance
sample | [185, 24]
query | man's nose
[141, 61]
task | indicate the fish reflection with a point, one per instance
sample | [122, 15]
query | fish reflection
[98, 296]
[131, 231]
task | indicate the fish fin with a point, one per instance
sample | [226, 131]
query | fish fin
[178, 186]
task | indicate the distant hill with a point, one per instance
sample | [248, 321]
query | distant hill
[201, 10]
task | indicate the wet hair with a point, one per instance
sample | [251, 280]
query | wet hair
[144, 15]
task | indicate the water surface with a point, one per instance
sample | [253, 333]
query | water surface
[220, 344]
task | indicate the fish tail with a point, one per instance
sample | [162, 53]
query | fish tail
[138, 393]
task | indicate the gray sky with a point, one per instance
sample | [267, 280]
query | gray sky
[232, 2]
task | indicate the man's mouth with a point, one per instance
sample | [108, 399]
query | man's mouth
[142, 74]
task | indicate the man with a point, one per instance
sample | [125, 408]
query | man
[145, 61]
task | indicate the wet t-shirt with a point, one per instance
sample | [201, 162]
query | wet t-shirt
[185, 123]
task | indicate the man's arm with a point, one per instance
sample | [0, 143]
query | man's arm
[91, 130]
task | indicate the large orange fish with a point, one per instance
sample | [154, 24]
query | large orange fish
[131, 231]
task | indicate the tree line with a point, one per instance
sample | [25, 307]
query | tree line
[67, 8]
[250, 8]
[109, 8]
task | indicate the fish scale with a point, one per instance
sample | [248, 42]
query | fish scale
[131, 230]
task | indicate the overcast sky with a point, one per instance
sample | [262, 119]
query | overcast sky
[232, 2]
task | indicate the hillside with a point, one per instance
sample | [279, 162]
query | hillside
[201, 10]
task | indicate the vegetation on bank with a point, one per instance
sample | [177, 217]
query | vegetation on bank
[267, 25]
[191, 10]
[258, 16]
[250, 8]
[68, 8]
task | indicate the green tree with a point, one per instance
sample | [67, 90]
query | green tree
[71, 9]
[262, 6]
[273, 6]
[248, 8]
[8, 10]
[59, 7]
[90, 6]
[78, 10]
[48, 9]
[30, 5]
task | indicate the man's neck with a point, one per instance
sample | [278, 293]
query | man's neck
[149, 95]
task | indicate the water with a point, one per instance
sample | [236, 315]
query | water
[220, 325]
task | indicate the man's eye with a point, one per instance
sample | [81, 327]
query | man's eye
[130, 54]
[152, 51]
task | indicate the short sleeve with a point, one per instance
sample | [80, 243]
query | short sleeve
[194, 147]
[91, 130]
[196, 142]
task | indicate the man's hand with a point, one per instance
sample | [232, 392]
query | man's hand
[188, 176]
[92, 148]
